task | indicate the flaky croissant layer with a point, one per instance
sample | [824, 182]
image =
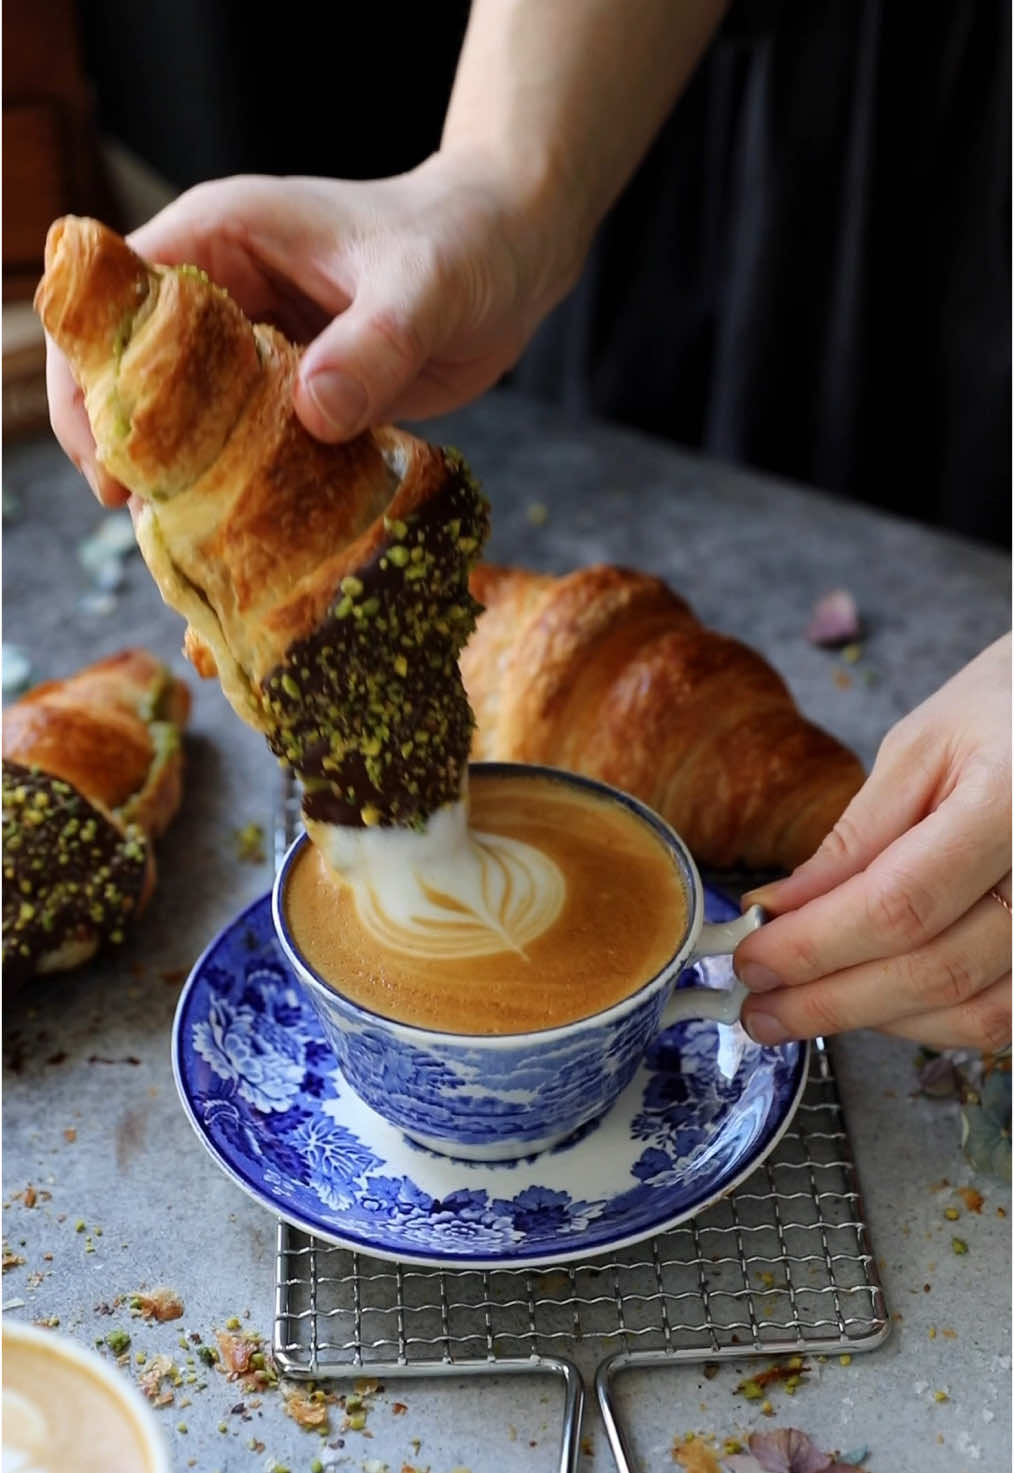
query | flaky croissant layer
[327, 585]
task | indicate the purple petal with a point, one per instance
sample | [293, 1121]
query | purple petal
[834, 620]
[787, 1450]
[939, 1078]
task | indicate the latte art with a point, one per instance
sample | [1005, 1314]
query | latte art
[447, 891]
[536, 905]
[65, 1408]
[26, 1435]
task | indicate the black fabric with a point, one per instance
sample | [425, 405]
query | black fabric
[810, 272]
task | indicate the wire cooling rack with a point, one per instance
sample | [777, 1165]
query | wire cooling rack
[782, 1265]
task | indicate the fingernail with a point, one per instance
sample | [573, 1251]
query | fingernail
[91, 475]
[760, 896]
[340, 398]
[765, 1028]
[757, 977]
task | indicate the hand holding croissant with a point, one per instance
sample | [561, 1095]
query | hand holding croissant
[924, 785]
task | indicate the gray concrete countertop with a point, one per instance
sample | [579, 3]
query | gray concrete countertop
[124, 1197]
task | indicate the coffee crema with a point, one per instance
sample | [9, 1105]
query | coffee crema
[567, 904]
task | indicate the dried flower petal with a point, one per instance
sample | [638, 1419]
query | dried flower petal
[834, 620]
[160, 1304]
[787, 1450]
[156, 1371]
[696, 1456]
[939, 1078]
[304, 1409]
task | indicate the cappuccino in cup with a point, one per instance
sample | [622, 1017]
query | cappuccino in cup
[553, 904]
[490, 983]
[64, 1407]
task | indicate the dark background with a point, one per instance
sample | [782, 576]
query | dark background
[809, 273]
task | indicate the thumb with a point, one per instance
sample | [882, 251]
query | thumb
[889, 803]
[363, 363]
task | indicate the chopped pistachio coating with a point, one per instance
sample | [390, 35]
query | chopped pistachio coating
[370, 710]
[69, 873]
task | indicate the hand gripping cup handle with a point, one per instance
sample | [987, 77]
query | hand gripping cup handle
[722, 1005]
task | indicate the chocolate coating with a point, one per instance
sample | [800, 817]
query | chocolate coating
[69, 873]
[370, 710]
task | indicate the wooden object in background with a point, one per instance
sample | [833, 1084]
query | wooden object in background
[25, 410]
[51, 158]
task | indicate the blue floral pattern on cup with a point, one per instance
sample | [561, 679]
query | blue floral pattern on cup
[269, 1100]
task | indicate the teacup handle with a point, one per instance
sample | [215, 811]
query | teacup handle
[721, 1005]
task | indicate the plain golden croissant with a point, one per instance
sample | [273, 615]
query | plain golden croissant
[326, 584]
[92, 775]
[607, 672]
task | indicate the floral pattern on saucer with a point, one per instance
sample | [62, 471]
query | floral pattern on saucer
[266, 1097]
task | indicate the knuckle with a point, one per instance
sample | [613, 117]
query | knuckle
[900, 912]
[201, 204]
[994, 1031]
[842, 841]
[986, 1022]
[986, 786]
[955, 983]
[819, 1013]
[803, 960]
[400, 332]
[995, 1028]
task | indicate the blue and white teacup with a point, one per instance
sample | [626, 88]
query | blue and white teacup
[502, 1096]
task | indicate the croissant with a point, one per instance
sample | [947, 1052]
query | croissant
[326, 584]
[607, 672]
[92, 775]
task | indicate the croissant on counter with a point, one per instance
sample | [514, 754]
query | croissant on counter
[326, 584]
[607, 672]
[92, 776]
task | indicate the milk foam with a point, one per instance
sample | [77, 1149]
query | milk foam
[26, 1434]
[446, 890]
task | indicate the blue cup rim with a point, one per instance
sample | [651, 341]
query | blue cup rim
[443, 1037]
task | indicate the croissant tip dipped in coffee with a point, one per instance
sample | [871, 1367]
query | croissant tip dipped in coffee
[92, 776]
[326, 585]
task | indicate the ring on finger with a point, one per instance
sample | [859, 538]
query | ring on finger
[997, 894]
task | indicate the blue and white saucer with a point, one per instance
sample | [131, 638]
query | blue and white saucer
[265, 1095]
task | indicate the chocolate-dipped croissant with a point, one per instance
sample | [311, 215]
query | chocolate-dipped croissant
[92, 775]
[608, 672]
[326, 584]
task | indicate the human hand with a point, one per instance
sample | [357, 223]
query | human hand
[415, 293]
[895, 923]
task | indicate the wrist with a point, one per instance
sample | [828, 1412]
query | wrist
[537, 208]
